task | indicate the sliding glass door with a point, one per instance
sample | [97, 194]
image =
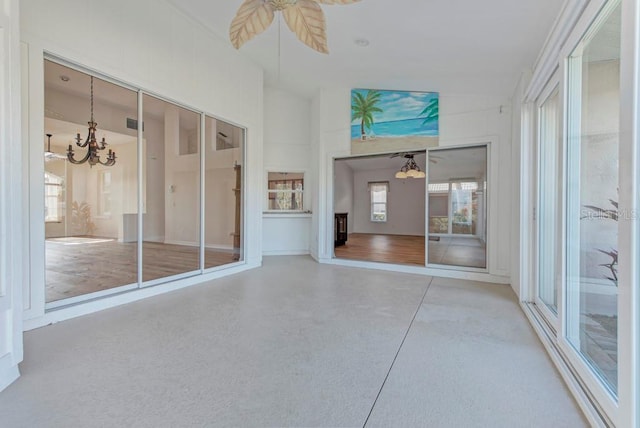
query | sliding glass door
[91, 207]
[549, 207]
[186, 184]
[171, 231]
[458, 207]
[592, 216]
[577, 212]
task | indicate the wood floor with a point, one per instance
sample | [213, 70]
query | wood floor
[409, 250]
[399, 249]
[79, 265]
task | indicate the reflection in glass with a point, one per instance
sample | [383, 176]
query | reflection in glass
[592, 208]
[285, 191]
[379, 217]
[457, 207]
[549, 203]
[224, 145]
[89, 247]
[171, 232]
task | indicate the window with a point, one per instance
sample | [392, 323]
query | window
[104, 203]
[53, 203]
[592, 198]
[378, 193]
[285, 191]
[549, 202]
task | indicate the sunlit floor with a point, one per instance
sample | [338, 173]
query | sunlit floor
[404, 249]
[296, 343]
[80, 265]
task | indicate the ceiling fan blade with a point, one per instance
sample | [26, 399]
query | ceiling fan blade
[50, 156]
[337, 1]
[306, 20]
[252, 18]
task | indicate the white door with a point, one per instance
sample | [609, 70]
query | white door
[10, 195]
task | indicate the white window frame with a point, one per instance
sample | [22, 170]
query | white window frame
[370, 186]
[552, 88]
[302, 192]
[59, 205]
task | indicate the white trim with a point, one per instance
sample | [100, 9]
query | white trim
[527, 203]
[203, 195]
[629, 229]
[141, 179]
[12, 250]
[286, 214]
[8, 375]
[572, 382]
[552, 88]
[448, 272]
[547, 60]
[300, 252]
[224, 247]
[89, 296]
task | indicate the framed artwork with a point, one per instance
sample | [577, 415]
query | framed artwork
[386, 121]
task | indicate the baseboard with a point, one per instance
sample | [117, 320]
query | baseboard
[591, 412]
[285, 253]
[421, 270]
[197, 244]
[92, 306]
[8, 375]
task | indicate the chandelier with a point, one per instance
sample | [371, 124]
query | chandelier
[410, 169]
[92, 145]
[304, 17]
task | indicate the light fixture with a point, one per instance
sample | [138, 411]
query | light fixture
[410, 169]
[49, 155]
[304, 17]
[91, 144]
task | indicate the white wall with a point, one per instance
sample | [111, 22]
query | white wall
[405, 204]
[287, 148]
[464, 119]
[11, 196]
[151, 45]
[182, 181]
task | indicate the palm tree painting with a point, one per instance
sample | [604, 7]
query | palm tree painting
[431, 111]
[363, 107]
[383, 121]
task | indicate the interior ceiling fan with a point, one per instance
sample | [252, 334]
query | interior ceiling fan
[49, 155]
[304, 17]
[409, 155]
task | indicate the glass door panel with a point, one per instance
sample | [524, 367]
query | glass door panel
[171, 219]
[457, 207]
[224, 154]
[592, 208]
[91, 209]
[549, 202]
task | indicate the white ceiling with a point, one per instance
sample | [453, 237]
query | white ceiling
[445, 165]
[64, 133]
[449, 46]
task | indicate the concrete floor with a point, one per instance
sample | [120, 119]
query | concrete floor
[296, 343]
